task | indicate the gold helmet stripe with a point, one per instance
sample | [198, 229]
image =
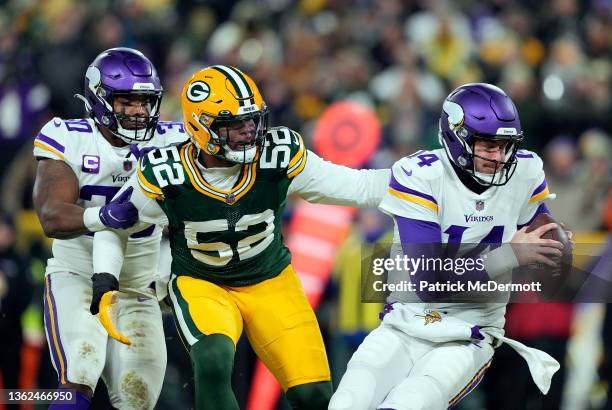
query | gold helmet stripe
[235, 77]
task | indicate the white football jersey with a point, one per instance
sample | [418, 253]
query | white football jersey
[101, 170]
[425, 187]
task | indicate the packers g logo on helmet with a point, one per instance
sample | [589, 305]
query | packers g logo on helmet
[217, 97]
[198, 91]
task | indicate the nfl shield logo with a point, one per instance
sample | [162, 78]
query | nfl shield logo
[479, 205]
[127, 165]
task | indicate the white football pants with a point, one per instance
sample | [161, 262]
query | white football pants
[82, 351]
[391, 370]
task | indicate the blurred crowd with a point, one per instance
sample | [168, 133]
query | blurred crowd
[399, 57]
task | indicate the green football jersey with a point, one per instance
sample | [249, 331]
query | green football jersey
[226, 237]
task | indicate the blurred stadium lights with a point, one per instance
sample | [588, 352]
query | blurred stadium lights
[553, 87]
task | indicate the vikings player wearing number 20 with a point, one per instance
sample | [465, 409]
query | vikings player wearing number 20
[479, 191]
[82, 164]
[222, 195]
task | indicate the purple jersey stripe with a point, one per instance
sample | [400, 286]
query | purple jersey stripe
[471, 385]
[62, 370]
[540, 188]
[48, 324]
[399, 187]
[144, 233]
[416, 231]
[50, 141]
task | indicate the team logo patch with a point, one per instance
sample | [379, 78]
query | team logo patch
[431, 316]
[198, 91]
[479, 205]
[91, 164]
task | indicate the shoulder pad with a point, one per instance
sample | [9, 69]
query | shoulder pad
[52, 140]
[159, 169]
[420, 165]
[413, 186]
[529, 165]
[170, 132]
[282, 136]
[283, 149]
[80, 125]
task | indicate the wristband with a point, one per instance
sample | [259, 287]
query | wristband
[91, 219]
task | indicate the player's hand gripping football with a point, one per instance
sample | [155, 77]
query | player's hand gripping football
[104, 304]
[531, 248]
[119, 213]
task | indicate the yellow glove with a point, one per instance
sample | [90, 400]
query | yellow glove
[108, 316]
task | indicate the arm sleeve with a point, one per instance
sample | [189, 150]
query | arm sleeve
[109, 245]
[170, 132]
[50, 141]
[324, 182]
[541, 209]
[410, 193]
[108, 251]
[538, 192]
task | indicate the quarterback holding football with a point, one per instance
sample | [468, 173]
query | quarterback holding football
[479, 190]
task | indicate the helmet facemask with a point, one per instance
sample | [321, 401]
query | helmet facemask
[242, 151]
[135, 128]
[503, 170]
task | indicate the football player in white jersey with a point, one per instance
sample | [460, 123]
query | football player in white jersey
[480, 189]
[82, 164]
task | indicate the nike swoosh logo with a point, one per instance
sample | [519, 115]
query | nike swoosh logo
[110, 213]
[142, 298]
[409, 173]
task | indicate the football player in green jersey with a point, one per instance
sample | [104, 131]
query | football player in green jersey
[222, 195]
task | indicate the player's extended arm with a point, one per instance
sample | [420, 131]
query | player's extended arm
[327, 183]
[56, 191]
[108, 255]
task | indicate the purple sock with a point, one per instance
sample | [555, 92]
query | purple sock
[82, 402]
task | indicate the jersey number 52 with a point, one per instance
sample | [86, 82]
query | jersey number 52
[221, 253]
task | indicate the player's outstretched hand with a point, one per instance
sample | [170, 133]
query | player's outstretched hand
[119, 213]
[531, 248]
[104, 304]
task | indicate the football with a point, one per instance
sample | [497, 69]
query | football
[552, 278]
[557, 234]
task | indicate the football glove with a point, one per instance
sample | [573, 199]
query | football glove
[119, 213]
[104, 304]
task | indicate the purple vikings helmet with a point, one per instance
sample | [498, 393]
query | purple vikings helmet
[483, 111]
[122, 72]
